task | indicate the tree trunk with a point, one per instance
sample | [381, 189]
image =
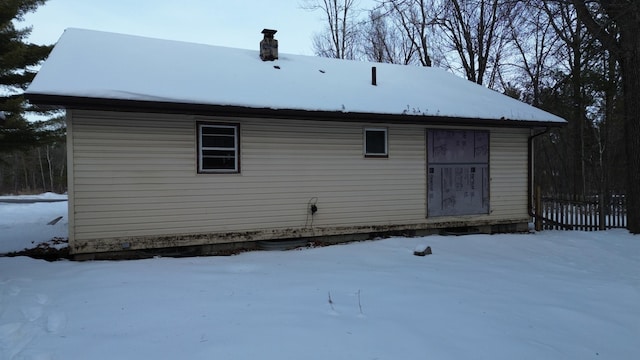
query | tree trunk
[26, 174]
[50, 167]
[578, 113]
[44, 182]
[630, 60]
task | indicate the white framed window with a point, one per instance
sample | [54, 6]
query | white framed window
[376, 142]
[218, 148]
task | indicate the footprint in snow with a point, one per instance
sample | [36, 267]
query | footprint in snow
[42, 299]
[32, 313]
[14, 338]
[14, 290]
[56, 321]
[333, 313]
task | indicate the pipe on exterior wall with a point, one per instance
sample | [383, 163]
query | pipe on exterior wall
[530, 174]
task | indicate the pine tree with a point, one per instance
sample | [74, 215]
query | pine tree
[18, 61]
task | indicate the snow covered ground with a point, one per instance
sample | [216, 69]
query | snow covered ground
[24, 225]
[549, 295]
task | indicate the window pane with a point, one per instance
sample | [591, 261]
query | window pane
[219, 153]
[217, 130]
[218, 164]
[376, 142]
[218, 159]
[224, 141]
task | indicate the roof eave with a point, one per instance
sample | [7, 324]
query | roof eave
[93, 103]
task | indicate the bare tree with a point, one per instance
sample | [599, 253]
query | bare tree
[377, 45]
[535, 44]
[341, 36]
[44, 182]
[571, 32]
[477, 32]
[413, 17]
[39, 168]
[384, 40]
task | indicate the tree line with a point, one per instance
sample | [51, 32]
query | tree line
[576, 59]
[37, 167]
[32, 140]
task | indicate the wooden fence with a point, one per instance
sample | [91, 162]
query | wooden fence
[558, 212]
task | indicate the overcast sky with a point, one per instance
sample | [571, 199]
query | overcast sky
[234, 23]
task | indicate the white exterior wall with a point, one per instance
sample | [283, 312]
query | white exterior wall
[134, 181]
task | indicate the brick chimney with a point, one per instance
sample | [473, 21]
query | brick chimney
[269, 46]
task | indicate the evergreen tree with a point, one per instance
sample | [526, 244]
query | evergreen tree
[18, 61]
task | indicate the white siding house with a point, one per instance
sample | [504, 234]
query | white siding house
[170, 152]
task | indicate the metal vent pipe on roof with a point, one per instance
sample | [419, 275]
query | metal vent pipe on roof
[374, 80]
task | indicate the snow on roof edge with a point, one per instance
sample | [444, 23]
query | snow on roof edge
[135, 68]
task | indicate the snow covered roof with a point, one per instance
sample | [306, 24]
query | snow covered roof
[95, 65]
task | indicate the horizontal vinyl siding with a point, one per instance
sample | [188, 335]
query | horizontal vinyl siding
[315, 160]
[136, 175]
[508, 172]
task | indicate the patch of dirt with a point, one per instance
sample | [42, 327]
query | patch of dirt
[52, 250]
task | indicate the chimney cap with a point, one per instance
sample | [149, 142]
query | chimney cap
[269, 32]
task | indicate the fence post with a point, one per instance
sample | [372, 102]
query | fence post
[602, 208]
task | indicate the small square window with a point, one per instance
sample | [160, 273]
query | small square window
[375, 142]
[218, 150]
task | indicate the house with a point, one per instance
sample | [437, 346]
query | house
[175, 145]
